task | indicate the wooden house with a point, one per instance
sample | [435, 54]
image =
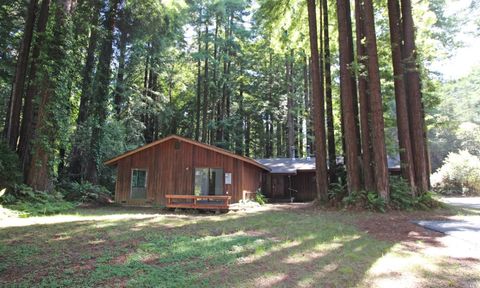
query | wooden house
[293, 179]
[289, 179]
[179, 172]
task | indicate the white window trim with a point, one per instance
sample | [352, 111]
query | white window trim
[146, 182]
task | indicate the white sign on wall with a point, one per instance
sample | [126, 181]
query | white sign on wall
[228, 178]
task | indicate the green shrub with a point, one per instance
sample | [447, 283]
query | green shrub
[460, 174]
[353, 199]
[401, 197]
[375, 202]
[36, 203]
[260, 198]
[365, 200]
[9, 167]
[85, 192]
[336, 191]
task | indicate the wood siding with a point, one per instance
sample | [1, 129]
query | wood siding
[276, 186]
[170, 170]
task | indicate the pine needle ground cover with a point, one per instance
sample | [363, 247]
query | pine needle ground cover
[272, 247]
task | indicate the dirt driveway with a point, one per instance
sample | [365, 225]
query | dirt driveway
[424, 257]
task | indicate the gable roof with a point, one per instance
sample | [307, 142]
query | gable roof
[292, 166]
[288, 165]
[114, 160]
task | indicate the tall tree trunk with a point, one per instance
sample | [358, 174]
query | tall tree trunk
[239, 127]
[290, 108]
[403, 125]
[77, 158]
[318, 108]
[378, 137]
[12, 125]
[46, 128]
[228, 89]
[118, 97]
[306, 104]
[100, 94]
[347, 98]
[206, 88]
[332, 157]
[219, 117]
[365, 122]
[146, 88]
[247, 135]
[351, 59]
[199, 87]
[27, 127]
[279, 132]
[417, 125]
[269, 115]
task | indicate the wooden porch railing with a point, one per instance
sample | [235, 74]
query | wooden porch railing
[208, 202]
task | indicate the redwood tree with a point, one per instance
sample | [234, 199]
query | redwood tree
[318, 107]
[363, 95]
[347, 98]
[414, 102]
[101, 91]
[12, 125]
[403, 122]
[332, 157]
[378, 135]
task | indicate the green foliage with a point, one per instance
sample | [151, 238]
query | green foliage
[9, 167]
[86, 192]
[457, 118]
[365, 200]
[460, 174]
[35, 203]
[375, 202]
[260, 198]
[337, 191]
[400, 194]
[401, 198]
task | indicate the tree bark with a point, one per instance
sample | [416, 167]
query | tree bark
[378, 137]
[77, 158]
[206, 88]
[365, 120]
[199, 87]
[28, 125]
[417, 125]
[318, 108]
[12, 125]
[269, 115]
[290, 108]
[118, 97]
[403, 123]
[46, 129]
[332, 157]
[347, 98]
[306, 105]
[100, 94]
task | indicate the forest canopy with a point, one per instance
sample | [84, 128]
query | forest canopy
[82, 81]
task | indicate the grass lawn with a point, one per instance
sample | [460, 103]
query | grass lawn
[276, 246]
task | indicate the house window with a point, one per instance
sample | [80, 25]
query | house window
[139, 184]
[208, 181]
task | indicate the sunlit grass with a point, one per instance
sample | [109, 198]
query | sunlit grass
[148, 247]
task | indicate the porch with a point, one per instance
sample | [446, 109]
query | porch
[206, 202]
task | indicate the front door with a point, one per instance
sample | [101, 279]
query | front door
[208, 181]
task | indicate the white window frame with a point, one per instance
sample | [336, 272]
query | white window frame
[146, 183]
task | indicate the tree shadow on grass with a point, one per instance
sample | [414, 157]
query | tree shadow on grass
[267, 248]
